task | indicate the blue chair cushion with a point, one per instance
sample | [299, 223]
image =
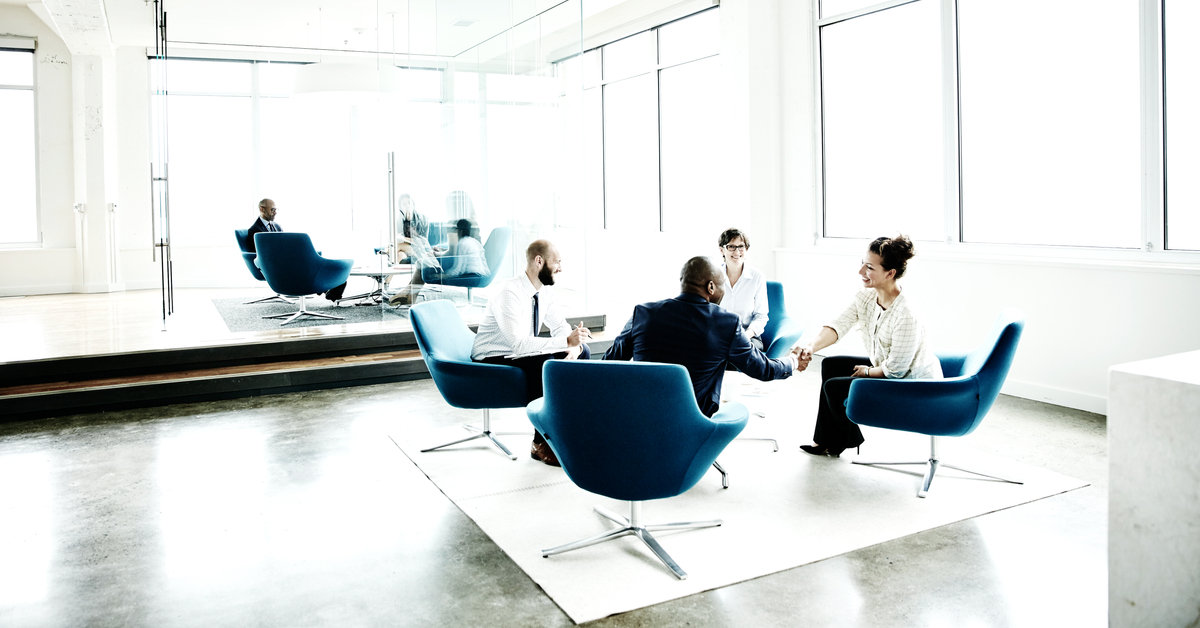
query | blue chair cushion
[445, 342]
[292, 266]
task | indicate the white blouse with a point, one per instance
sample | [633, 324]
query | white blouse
[895, 338]
[747, 299]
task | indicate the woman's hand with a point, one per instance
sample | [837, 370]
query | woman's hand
[862, 371]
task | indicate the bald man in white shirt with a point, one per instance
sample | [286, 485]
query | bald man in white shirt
[513, 319]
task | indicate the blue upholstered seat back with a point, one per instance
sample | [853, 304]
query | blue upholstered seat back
[244, 243]
[293, 267]
[630, 430]
[993, 358]
[445, 342]
[493, 252]
[953, 406]
[781, 331]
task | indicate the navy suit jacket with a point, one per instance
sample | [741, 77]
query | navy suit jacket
[701, 336]
[258, 227]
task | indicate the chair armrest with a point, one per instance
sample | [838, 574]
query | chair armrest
[789, 331]
[731, 412]
[479, 385]
[952, 363]
[937, 407]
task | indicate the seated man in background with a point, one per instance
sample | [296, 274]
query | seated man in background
[468, 259]
[693, 331]
[511, 324]
[266, 223]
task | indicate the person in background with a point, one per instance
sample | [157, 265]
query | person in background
[266, 223]
[421, 256]
[511, 323]
[468, 259]
[745, 286]
[892, 333]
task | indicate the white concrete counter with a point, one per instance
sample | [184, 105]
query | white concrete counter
[1154, 492]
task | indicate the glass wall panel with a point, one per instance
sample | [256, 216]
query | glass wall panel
[630, 56]
[1050, 122]
[211, 168]
[690, 38]
[882, 116]
[631, 155]
[1182, 91]
[18, 151]
[690, 142]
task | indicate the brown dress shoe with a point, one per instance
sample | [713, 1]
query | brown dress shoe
[542, 453]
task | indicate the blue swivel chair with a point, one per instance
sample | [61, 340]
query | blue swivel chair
[782, 330]
[953, 406]
[630, 431]
[493, 251]
[292, 267]
[445, 342]
[246, 244]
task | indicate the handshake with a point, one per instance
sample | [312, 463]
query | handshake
[800, 357]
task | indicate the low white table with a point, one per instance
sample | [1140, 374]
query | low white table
[381, 275]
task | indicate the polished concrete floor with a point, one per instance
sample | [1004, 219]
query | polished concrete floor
[296, 510]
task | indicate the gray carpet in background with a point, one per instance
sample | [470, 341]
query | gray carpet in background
[241, 317]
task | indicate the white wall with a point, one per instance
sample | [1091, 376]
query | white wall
[49, 269]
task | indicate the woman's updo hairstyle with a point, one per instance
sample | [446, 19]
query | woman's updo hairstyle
[729, 235]
[895, 253]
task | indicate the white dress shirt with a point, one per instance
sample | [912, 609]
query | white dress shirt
[747, 299]
[895, 338]
[507, 326]
[270, 225]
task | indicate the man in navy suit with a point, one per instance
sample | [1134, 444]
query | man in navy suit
[695, 332]
[266, 222]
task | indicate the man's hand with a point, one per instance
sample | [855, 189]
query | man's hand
[578, 336]
[573, 353]
[801, 357]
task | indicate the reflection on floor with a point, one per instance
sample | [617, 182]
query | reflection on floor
[293, 510]
[63, 325]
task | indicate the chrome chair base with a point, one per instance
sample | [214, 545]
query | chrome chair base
[277, 298]
[481, 432]
[634, 526]
[302, 312]
[724, 474]
[932, 466]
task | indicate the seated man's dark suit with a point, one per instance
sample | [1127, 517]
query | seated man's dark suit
[258, 227]
[702, 337]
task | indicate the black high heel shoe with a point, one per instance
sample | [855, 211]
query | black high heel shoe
[820, 450]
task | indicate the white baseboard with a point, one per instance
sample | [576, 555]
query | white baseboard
[22, 291]
[1056, 396]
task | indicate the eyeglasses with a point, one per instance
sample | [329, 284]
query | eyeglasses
[735, 247]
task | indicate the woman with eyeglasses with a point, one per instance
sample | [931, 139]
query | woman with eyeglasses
[745, 287]
[892, 333]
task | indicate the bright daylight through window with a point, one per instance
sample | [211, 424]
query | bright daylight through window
[18, 155]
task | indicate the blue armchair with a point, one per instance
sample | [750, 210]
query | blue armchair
[445, 342]
[953, 406]
[493, 251]
[782, 330]
[635, 434]
[292, 267]
[246, 245]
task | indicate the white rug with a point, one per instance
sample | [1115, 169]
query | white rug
[782, 509]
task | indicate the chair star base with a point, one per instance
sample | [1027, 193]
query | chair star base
[932, 466]
[481, 432]
[303, 312]
[277, 298]
[634, 526]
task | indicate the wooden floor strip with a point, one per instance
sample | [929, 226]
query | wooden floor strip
[246, 369]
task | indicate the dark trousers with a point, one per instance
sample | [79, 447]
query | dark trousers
[834, 430]
[532, 366]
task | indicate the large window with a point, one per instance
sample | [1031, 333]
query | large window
[1030, 122]
[650, 144]
[18, 150]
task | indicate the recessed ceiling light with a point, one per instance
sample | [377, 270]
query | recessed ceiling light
[464, 22]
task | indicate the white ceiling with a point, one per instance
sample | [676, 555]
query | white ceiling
[419, 27]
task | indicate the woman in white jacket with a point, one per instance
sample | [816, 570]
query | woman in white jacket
[892, 333]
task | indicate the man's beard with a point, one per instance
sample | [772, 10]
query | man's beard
[545, 276]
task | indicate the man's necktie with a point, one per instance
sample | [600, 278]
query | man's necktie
[535, 315]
